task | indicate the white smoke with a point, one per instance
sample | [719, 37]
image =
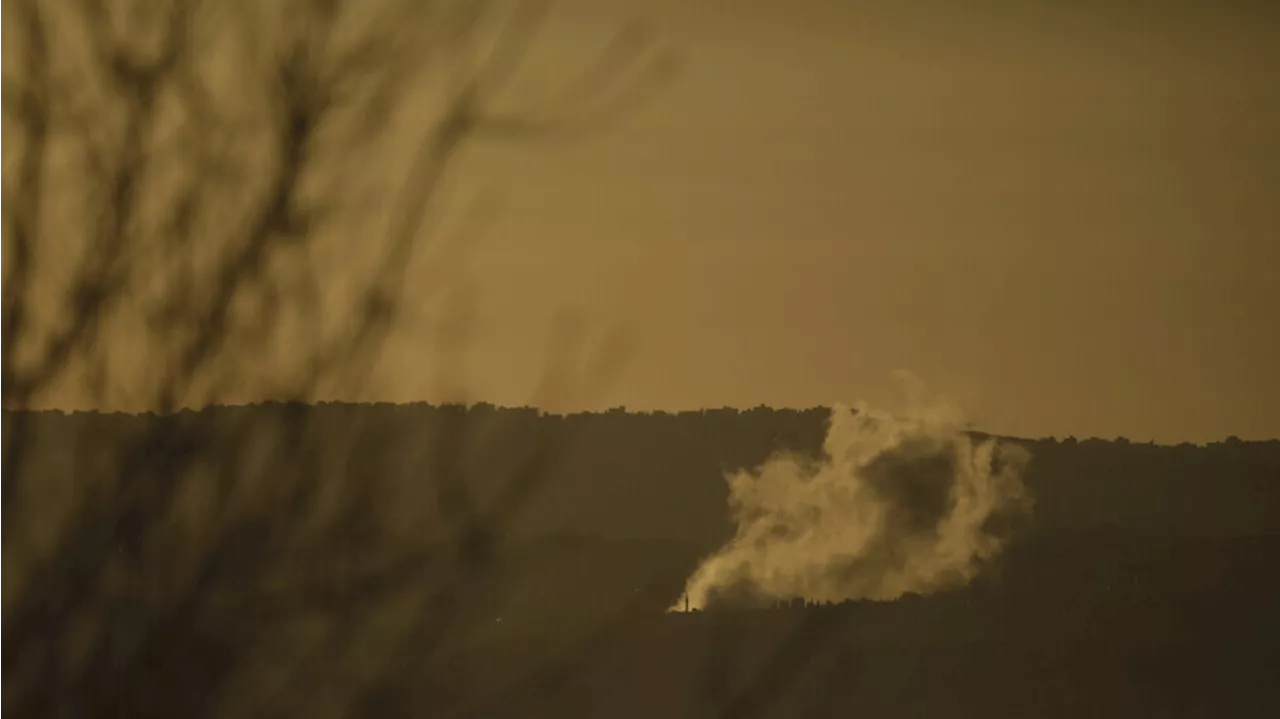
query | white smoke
[896, 505]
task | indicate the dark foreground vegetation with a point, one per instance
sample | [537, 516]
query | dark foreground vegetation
[1145, 584]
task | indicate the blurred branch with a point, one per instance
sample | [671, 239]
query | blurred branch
[153, 195]
[21, 206]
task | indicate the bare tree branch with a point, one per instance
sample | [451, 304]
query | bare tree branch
[179, 173]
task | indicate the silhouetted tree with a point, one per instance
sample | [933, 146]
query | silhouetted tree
[187, 194]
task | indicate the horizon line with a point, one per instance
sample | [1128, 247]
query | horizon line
[617, 409]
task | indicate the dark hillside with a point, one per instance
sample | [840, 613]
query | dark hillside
[1143, 566]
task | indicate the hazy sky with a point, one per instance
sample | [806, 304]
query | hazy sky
[1066, 215]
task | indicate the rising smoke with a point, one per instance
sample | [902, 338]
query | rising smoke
[898, 504]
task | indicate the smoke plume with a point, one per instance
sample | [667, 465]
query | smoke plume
[896, 505]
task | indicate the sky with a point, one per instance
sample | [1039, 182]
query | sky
[1062, 216]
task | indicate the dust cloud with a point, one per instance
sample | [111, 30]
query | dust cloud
[897, 505]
